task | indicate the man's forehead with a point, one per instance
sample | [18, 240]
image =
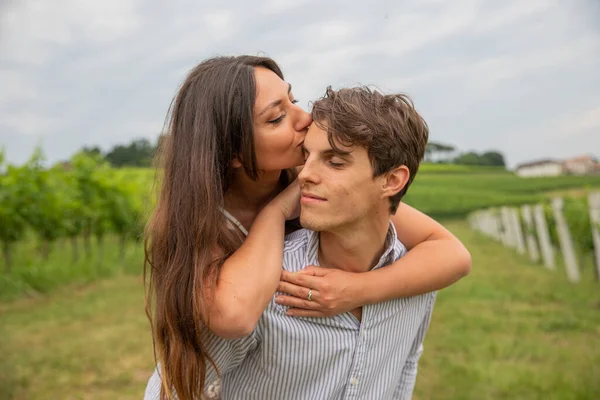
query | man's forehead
[317, 140]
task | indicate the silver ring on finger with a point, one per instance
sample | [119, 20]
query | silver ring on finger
[309, 297]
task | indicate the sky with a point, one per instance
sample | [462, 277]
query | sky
[519, 77]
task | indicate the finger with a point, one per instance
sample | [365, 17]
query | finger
[308, 281]
[310, 270]
[314, 270]
[285, 275]
[297, 312]
[295, 302]
[297, 291]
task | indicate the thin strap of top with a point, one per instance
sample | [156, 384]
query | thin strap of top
[234, 221]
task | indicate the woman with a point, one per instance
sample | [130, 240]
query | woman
[215, 240]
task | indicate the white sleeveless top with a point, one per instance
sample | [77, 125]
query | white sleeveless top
[234, 221]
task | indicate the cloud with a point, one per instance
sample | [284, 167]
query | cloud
[484, 73]
[579, 123]
[36, 29]
[16, 88]
[29, 123]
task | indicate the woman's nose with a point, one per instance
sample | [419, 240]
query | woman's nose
[304, 120]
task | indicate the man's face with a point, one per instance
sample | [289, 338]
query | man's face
[338, 189]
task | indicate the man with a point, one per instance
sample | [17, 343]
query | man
[362, 152]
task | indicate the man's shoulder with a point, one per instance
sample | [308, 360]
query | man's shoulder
[296, 241]
[399, 248]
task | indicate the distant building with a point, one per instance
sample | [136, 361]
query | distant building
[582, 165]
[545, 167]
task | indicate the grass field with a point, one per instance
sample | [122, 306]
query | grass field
[32, 275]
[450, 191]
[510, 330]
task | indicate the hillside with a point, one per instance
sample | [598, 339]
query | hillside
[444, 191]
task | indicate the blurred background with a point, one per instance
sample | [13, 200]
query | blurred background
[510, 90]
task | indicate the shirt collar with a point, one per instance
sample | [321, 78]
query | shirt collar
[393, 248]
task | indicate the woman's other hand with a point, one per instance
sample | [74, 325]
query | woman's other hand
[288, 201]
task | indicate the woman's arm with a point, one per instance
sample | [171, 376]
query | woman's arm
[248, 278]
[435, 260]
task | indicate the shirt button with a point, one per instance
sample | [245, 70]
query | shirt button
[353, 381]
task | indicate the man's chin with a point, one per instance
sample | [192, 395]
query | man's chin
[311, 223]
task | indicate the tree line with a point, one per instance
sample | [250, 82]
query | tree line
[443, 153]
[139, 153]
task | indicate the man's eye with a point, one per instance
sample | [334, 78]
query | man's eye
[336, 165]
[294, 101]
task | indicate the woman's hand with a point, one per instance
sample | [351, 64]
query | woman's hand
[333, 292]
[288, 201]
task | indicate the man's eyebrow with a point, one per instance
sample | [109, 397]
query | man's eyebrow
[336, 153]
[275, 103]
[331, 152]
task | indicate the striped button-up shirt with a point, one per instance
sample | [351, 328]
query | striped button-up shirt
[336, 357]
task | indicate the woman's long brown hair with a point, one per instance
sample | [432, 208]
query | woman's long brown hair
[210, 122]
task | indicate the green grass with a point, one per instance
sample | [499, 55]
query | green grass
[80, 343]
[456, 168]
[510, 330]
[31, 275]
[448, 191]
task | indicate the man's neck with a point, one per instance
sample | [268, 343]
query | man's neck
[247, 197]
[355, 248]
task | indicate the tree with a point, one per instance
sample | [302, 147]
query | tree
[92, 151]
[89, 192]
[470, 158]
[74, 213]
[490, 158]
[436, 150]
[12, 223]
[138, 153]
[494, 158]
[43, 210]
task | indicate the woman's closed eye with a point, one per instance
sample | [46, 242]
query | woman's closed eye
[277, 120]
[282, 116]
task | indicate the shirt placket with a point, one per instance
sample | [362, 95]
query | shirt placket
[359, 362]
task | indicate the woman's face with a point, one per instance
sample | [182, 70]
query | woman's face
[279, 124]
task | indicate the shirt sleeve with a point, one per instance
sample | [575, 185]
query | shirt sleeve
[409, 372]
[227, 354]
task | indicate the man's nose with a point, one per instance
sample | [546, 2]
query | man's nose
[308, 173]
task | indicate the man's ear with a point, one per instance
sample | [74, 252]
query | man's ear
[395, 181]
